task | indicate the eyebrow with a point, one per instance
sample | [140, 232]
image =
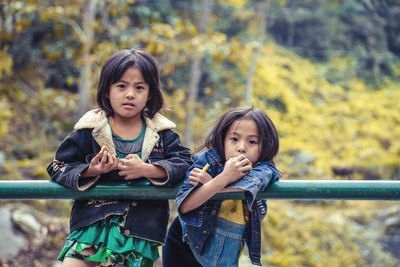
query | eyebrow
[122, 81]
[256, 136]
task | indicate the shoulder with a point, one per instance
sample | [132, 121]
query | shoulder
[159, 123]
[95, 118]
[79, 136]
[209, 156]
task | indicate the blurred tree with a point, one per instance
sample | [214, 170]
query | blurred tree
[258, 23]
[88, 17]
[195, 70]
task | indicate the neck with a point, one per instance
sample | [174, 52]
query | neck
[126, 128]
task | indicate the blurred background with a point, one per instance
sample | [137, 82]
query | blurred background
[327, 72]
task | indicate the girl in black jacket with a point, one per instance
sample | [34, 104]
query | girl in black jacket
[126, 139]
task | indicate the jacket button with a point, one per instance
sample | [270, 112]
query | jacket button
[204, 232]
[214, 212]
[134, 204]
[127, 232]
[197, 247]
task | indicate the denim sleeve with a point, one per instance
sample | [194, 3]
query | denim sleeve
[200, 160]
[257, 179]
[186, 188]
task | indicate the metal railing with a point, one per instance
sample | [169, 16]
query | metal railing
[287, 189]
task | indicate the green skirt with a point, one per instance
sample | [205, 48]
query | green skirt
[104, 243]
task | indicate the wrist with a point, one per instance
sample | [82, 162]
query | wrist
[88, 173]
[220, 181]
[153, 171]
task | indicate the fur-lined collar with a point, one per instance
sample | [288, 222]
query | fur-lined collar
[97, 119]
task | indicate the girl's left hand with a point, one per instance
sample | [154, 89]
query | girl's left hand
[131, 167]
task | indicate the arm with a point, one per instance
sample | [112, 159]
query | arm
[177, 159]
[168, 170]
[133, 167]
[234, 169]
[70, 166]
[257, 179]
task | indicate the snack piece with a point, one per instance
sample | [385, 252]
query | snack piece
[205, 168]
[103, 150]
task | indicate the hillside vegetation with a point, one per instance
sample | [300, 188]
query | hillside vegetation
[327, 73]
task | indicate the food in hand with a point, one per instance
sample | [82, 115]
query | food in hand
[205, 168]
[103, 150]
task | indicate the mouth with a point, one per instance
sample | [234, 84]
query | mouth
[128, 104]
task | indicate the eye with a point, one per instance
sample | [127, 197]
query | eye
[233, 139]
[253, 142]
[140, 87]
[121, 86]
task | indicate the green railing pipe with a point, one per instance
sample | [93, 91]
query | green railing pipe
[289, 189]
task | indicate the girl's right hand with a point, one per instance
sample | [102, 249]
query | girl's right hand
[235, 168]
[103, 162]
[199, 176]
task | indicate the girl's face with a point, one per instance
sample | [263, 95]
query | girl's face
[242, 138]
[129, 95]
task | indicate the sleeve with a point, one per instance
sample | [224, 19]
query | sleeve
[177, 159]
[70, 161]
[257, 179]
[186, 187]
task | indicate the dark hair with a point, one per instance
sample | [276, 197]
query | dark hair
[266, 130]
[116, 66]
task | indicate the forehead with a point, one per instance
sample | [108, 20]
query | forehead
[246, 127]
[132, 73]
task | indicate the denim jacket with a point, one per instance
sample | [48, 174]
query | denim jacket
[198, 223]
[146, 219]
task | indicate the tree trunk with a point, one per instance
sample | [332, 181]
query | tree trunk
[85, 73]
[195, 73]
[261, 20]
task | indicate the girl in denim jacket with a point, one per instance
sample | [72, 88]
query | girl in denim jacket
[210, 232]
[126, 139]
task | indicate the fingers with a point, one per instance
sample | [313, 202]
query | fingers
[132, 156]
[239, 165]
[113, 161]
[198, 176]
[193, 180]
[103, 160]
[195, 171]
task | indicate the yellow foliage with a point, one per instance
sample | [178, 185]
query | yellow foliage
[6, 63]
[327, 237]
[348, 125]
[237, 4]
[5, 117]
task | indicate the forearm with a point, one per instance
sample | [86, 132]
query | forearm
[154, 171]
[200, 195]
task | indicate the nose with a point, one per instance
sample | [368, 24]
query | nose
[130, 94]
[241, 147]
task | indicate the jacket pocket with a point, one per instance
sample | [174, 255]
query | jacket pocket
[193, 218]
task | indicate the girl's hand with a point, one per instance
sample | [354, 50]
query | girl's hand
[199, 176]
[103, 162]
[235, 168]
[131, 167]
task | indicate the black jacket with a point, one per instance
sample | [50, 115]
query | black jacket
[146, 219]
